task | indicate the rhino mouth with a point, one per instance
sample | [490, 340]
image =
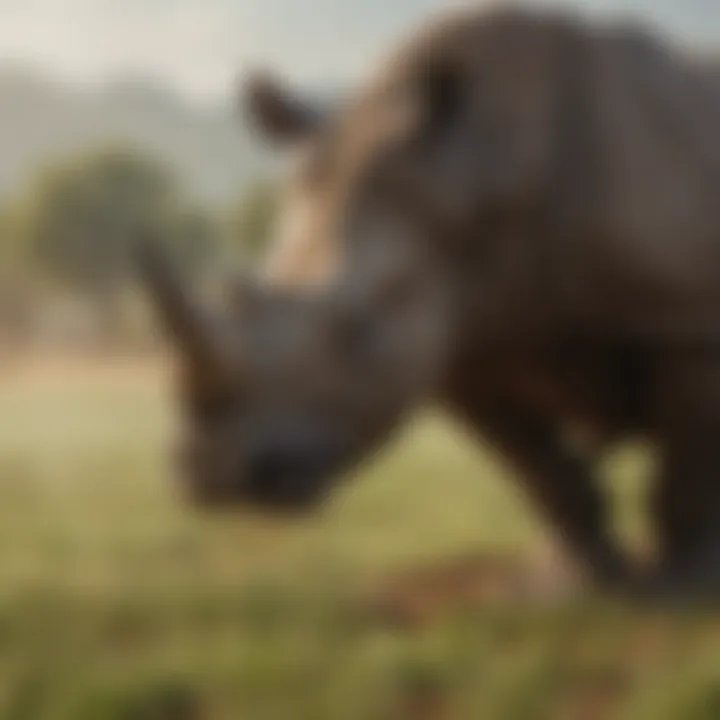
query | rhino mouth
[281, 480]
[291, 489]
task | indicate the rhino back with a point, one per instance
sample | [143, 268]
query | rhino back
[612, 132]
[607, 133]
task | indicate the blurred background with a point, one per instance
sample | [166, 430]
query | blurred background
[116, 601]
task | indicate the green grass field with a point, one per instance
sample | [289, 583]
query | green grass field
[117, 602]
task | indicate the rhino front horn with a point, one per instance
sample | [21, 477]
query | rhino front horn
[182, 317]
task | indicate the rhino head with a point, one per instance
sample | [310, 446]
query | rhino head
[281, 392]
[297, 378]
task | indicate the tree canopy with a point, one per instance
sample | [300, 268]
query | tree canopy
[82, 218]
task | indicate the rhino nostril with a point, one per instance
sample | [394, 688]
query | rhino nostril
[284, 475]
[272, 468]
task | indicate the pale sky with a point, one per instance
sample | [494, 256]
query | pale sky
[199, 46]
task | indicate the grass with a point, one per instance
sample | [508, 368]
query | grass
[118, 602]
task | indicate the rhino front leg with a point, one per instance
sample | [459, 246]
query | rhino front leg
[558, 479]
[687, 496]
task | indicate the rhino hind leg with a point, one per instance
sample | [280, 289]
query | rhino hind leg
[687, 496]
[559, 481]
[687, 511]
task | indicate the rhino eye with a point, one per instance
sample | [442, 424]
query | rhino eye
[360, 339]
[354, 336]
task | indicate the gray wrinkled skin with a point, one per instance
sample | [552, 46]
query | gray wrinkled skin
[518, 218]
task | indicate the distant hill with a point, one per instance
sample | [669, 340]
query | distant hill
[42, 122]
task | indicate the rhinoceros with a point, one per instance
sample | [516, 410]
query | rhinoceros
[518, 218]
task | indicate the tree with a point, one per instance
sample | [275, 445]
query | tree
[15, 287]
[12, 252]
[83, 216]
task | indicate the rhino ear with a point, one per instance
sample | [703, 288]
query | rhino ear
[438, 183]
[276, 113]
[443, 94]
